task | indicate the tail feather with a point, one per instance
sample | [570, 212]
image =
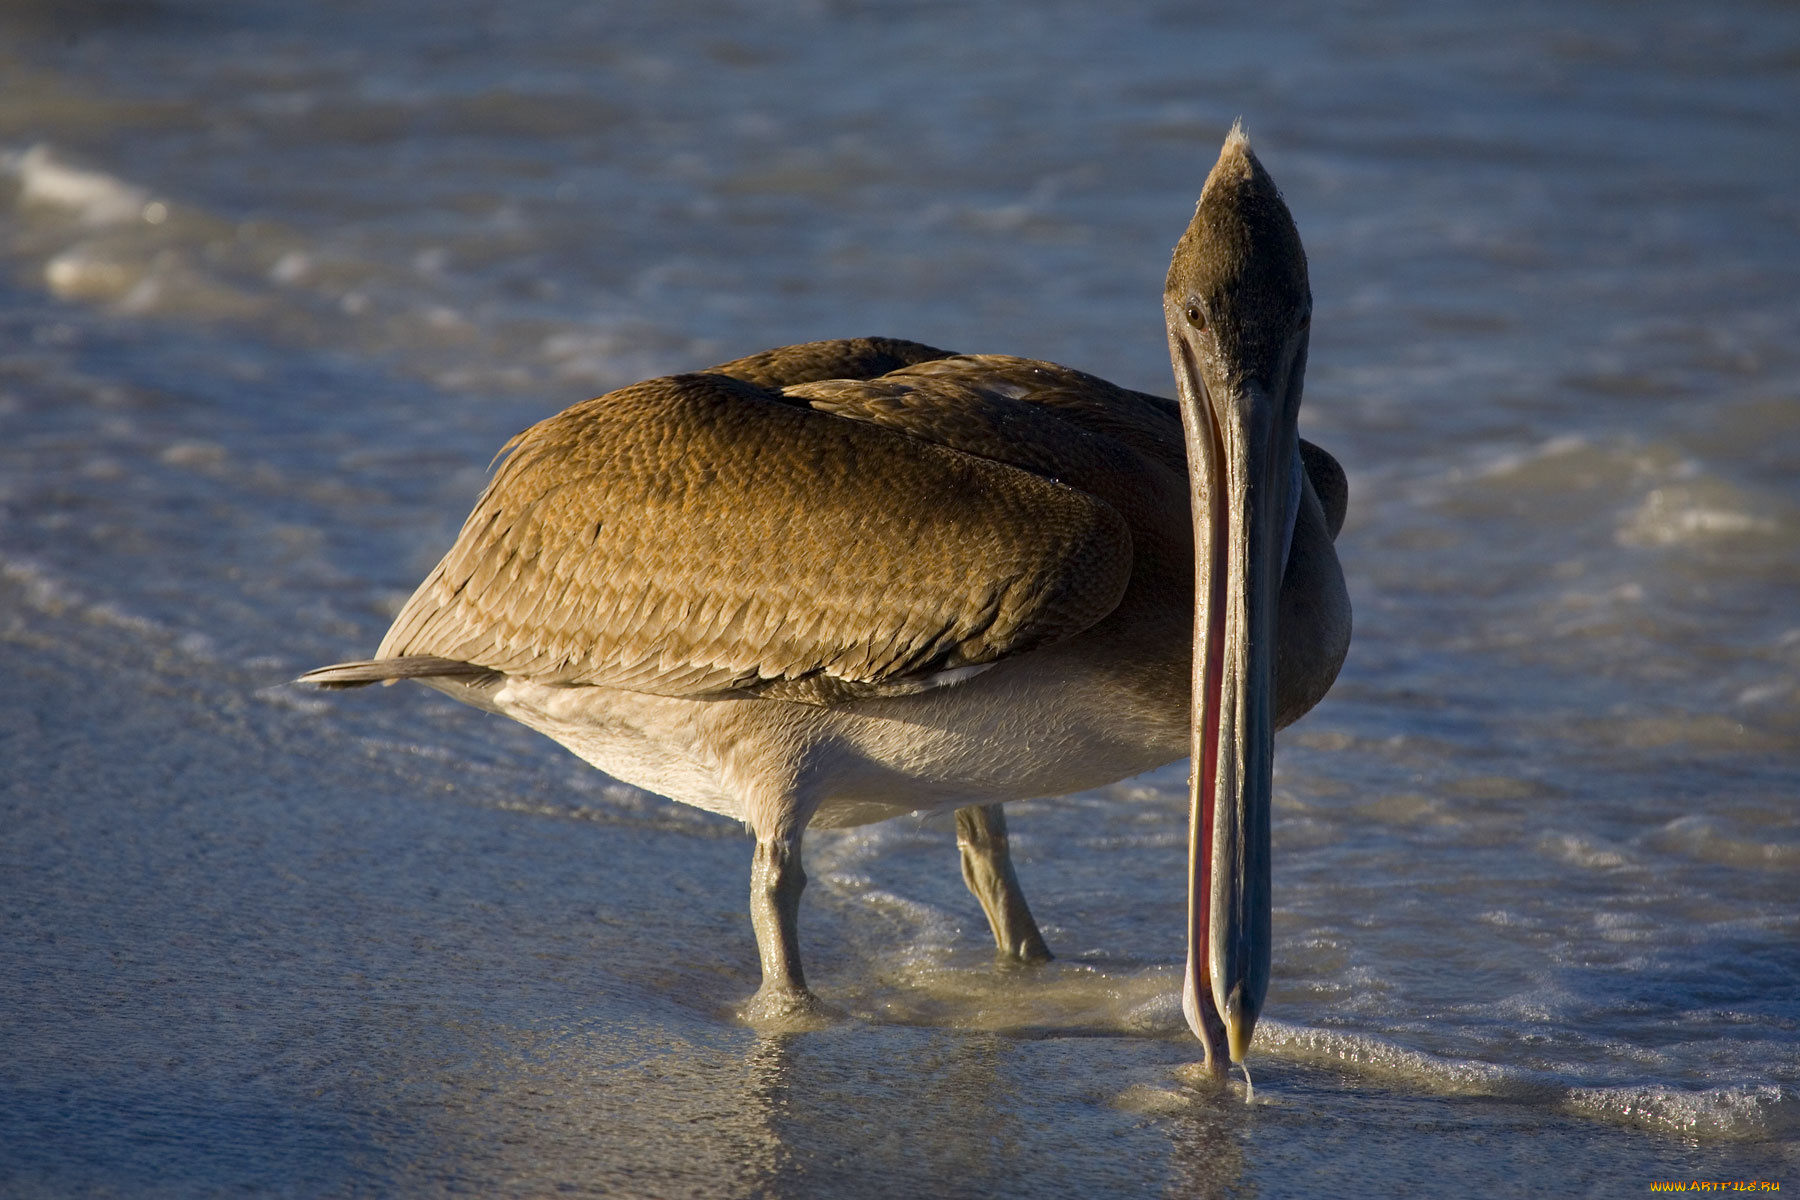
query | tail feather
[386, 670]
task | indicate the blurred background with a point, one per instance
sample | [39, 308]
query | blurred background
[280, 279]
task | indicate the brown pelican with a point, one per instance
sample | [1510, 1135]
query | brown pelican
[836, 582]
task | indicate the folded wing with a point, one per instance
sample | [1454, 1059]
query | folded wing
[704, 534]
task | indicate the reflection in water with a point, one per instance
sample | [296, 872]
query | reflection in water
[858, 1110]
[620, 1110]
[1206, 1136]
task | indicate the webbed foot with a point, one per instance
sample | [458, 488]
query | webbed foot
[786, 1009]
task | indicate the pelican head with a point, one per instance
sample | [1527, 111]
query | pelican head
[1238, 310]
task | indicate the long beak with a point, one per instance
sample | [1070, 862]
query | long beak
[1242, 460]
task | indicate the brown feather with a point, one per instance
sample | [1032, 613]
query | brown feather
[699, 535]
[843, 358]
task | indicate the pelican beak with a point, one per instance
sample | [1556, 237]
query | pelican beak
[1243, 513]
[1237, 341]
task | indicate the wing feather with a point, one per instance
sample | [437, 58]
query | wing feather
[702, 534]
[843, 358]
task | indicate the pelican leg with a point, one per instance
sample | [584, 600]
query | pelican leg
[776, 882]
[987, 869]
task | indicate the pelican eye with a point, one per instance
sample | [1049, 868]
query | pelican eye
[1195, 317]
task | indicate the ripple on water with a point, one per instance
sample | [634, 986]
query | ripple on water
[1701, 511]
[1734, 1112]
[1708, 839]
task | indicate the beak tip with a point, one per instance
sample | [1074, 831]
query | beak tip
[1203, 1019]
[1240, 1025]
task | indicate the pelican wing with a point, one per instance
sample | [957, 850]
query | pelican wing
[1148, 425]
[841, 358]
[703, 534]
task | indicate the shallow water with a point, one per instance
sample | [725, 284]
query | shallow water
[278, 283]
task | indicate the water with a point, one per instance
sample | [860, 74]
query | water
[279, 280]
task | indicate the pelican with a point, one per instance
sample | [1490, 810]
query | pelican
[836, 582]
